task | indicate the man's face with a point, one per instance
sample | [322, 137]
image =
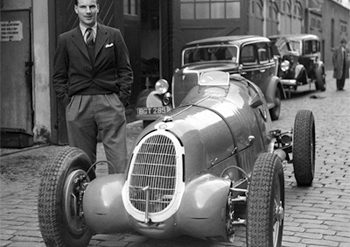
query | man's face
[87, 12]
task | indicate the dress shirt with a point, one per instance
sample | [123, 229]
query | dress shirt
[83, 30]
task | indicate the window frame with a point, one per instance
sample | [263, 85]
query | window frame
[194, 5]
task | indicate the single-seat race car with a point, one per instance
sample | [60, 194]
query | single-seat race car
[203, 169]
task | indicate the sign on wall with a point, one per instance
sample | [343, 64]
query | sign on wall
[11, 31]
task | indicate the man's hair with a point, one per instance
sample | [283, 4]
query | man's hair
[76, 2]
[343, 41]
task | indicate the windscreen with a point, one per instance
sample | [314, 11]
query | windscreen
[209, 53]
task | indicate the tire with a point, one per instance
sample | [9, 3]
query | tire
[304, 148]
[59, 225]
[320, 82]
[265, 208]
[276, 110]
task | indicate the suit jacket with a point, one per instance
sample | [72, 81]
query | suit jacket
[338, 63]
[110, 72]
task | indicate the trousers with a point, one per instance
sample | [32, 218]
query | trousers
[90, 115]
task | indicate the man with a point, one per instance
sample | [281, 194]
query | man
[341, 65]
[93, 76]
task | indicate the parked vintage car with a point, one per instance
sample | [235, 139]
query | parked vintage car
[300, 60]
[204, 168]
[248, 55]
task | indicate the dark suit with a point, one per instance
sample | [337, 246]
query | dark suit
[97, 90]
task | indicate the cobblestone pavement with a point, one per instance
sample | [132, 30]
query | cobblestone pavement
[314, 216]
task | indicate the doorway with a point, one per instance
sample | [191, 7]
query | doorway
[16, 79]
[151, 44]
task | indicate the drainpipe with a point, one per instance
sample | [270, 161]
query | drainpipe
[160, 39]
[265, 18]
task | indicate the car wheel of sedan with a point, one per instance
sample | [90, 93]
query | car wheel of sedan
[304, 148]
[320, 83]
[275, 111]
[265, 209]
[61, 191]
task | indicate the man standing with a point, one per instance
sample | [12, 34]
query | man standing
[93, 76]
[341, 65]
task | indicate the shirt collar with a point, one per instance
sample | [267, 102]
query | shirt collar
[83, 29]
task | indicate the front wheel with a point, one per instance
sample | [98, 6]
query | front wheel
[61, 191]
[304, 148]
[265, 209]
[276, 110]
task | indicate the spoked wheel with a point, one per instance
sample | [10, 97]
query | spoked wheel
[60, 206]
[304, 148]
[265, 209]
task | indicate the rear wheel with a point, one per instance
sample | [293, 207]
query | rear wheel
[304, 148]
[276, 110]
[61, 191]
[320, 83]
[265, 208]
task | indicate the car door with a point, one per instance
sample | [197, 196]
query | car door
[267, 65]
[249, 64]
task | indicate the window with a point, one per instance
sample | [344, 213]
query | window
[332, 33]
[298, 10]
[273, 12]
[257, 9]
[311, 46]
[131, 7]
[263, 53]
[248, 55]
[210, 9]
[210, 53]
[343, 27]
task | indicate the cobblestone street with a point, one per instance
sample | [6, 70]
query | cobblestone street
[314, 216]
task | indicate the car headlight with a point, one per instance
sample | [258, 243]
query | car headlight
[161, 86]
[167, 98]
[285, 65]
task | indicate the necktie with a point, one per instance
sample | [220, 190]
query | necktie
[89, 36]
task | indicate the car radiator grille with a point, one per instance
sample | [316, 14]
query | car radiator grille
[154, 168]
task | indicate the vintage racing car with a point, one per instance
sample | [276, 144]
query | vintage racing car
[300, 60]
[248, 55]
[202, 169]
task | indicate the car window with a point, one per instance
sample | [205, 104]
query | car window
[295, 46]
[263, 52]
[248, 55]
[311, 46]
[209, 53]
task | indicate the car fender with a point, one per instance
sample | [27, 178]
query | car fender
[202, 213]
[274, 84]
[103, 206]
[149, 98]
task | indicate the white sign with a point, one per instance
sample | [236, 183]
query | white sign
[11, 31]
